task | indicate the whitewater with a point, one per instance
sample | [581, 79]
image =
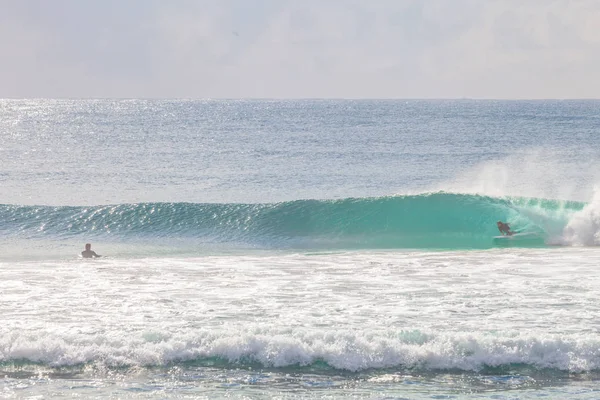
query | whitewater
[299, 249]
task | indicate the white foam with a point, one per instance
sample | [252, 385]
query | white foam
[583, 228]
[354, 311]
[280, 348]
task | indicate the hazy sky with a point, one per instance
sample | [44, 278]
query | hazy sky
[300, 48]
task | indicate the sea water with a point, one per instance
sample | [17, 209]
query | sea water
[299, 249]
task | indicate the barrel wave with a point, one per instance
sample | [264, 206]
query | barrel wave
[431, 220]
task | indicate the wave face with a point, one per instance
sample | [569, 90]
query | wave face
[433, 220]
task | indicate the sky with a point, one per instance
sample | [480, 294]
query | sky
[500, 49]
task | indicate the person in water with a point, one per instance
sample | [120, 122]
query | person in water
[504, 228]
[88, 252]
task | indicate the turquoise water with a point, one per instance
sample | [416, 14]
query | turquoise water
[299, 249]
[426, 221]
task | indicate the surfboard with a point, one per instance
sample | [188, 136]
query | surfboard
[526, 239]
[520, 235]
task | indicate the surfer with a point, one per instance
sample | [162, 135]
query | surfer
[88, 252]
[504, 228]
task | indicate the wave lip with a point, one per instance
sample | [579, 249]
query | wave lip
[431, 220]
[412, 350]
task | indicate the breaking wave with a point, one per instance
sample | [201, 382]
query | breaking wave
[432, 220]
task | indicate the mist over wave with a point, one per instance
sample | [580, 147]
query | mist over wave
[430, 220]
[546, 173]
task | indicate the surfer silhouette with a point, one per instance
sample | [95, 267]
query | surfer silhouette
[504, 228]
[88, 252]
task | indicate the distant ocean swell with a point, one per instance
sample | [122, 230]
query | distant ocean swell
[431, 220]
[272, 348]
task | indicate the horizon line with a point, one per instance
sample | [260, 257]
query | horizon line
[307, 98]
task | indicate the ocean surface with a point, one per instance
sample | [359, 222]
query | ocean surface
[300, 249]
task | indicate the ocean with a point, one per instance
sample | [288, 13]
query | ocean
[299, 249]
